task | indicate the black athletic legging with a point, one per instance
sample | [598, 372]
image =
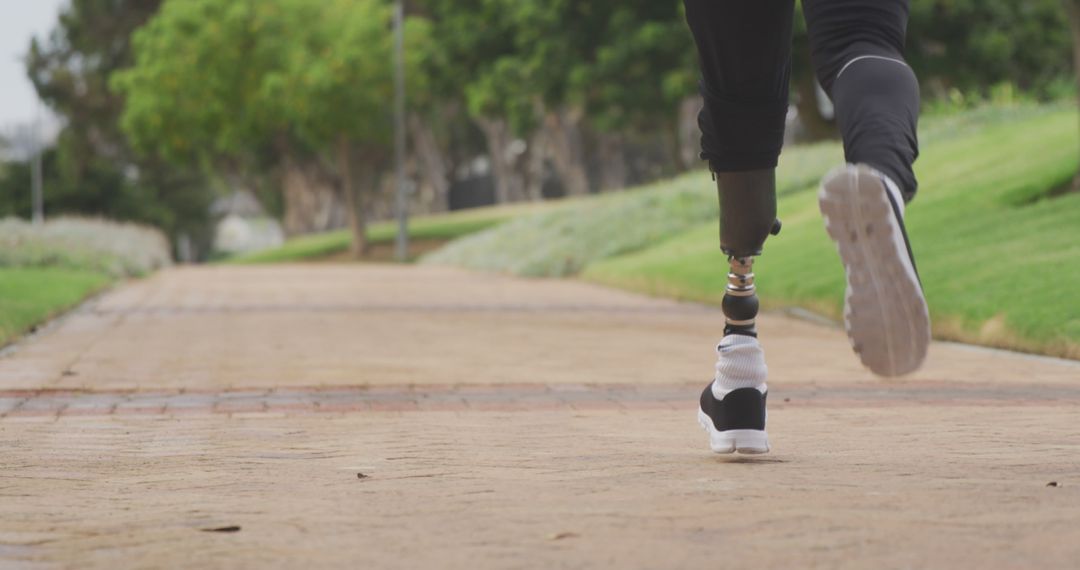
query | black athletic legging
[857, 50]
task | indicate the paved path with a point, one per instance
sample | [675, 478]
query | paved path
[388, 417]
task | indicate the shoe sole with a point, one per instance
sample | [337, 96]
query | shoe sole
[750, 441]
[885, 311]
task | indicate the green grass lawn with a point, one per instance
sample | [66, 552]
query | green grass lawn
[29, 296]
[1000, 261]
[440, 227]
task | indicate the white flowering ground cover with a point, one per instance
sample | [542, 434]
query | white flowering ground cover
[116, 249]
[47, 269]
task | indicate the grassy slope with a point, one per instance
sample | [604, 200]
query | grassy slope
[436, 227]
[31, 295]
[566, 240]
[998, 269]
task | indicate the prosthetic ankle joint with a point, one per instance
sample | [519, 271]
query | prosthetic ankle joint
[747, 218]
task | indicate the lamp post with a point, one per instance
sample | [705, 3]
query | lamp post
[37, 192]
[402, 249]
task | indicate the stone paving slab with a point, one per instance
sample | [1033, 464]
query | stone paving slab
[847, 486]
[226, 328]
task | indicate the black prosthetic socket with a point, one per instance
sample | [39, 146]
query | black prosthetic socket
[747, 210]
[747, 218]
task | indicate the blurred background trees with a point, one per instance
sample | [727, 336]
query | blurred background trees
[92, 168]
[168, 104]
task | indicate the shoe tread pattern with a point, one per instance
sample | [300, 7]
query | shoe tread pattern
[885, 310]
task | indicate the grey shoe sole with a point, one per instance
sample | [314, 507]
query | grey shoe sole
[885, 311]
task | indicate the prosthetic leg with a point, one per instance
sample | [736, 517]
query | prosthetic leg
[747, 218]
[745, 53]
[733, 404]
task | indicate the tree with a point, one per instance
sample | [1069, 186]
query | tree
[961, 46]
[568, 78]
[972, 45]
[555, 43]
[594, 68]
[199, 96]
[641, 70]
[93, 169]
[471, 65]
[201, 89]
[337, 88]
[500, 104]
[70, 71]
[216, 81]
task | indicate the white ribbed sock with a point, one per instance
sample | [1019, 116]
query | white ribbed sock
[740, 363]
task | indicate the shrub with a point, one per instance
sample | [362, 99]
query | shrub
[118, 249]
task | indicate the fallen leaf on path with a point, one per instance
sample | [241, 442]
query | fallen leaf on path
[562, 535]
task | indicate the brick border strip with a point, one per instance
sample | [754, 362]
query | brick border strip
[499, 397]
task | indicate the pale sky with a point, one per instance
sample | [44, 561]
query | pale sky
[21, 20]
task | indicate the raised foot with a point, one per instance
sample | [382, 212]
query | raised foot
[885, 312]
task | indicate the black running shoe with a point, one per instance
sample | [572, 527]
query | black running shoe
[735, 423]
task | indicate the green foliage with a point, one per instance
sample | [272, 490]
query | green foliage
[639, 70]
[91, 170]
[973, 44]
[204, 78]
[98, 189]
[626, 65]
[29, 296]
[473, 60]
[172, 199]
[220, 77]
[228, 87]
[967, 46]
[339, 80]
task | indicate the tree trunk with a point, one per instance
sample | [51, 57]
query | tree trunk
[354, 204]
[508, 182]
[311, 204]
[1072, 8]
[567, 150]
[535, 169]
[815, 127]
[432, 162]
[612, 161]
[689, 133]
